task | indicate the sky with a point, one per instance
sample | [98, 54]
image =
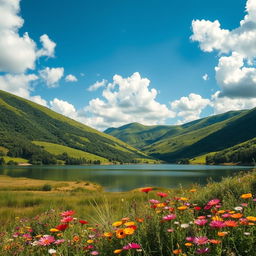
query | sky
[109, 63]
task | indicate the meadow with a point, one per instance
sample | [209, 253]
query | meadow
[79, 218]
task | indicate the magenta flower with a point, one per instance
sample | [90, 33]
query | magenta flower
[200, 222]
[226, 215]
[190, 239]
[131, 246]
[200, 240]
[46, 240]
[213, 202]
[59, 241]
[169, 217]
[217, 224]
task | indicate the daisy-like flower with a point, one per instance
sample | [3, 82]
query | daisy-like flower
[62, 227]
[161, 194]
[213, 202]
[83, 222]
[131, 246]
[117, 223]
[202, 250]
[169, 217]
[117, 251]
[59, 241]
[200, 240]
[246, 196]
[67, 213]
[238, 208]
[120, 233]
[217, 224]
[146, 190]
[230, 223]
[46, 240]
[184, 225]
[52, 251]
[66, 219]
[94, 253]
[201, 222]
[154, 201]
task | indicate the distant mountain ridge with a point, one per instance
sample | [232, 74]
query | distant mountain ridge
[36, 133]
[175, 143]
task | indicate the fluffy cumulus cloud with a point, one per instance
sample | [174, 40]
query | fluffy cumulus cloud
[71, 78]
[126, 100]
[236, 70]
[97, 85]
[48, 47]
[64, 108]
[189, 108]
[205, 77]
[52, 76]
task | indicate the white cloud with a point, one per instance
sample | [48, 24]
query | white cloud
[48, 47]
[52, 76]
[64, 108]
[124, 101]
[97, 85]
[21, 85]
[236, 70]
[205, 77]
[70, 78]
[189, 108]
[224, 104]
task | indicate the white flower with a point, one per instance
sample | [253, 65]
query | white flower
[185, 225]
[52, 251]
[247, 233]
[176, 223]
[238, 208]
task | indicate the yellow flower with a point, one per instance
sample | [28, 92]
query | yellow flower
[128, 224]
[39, 236]
[232, 212]
[245, 196]
[160, 205]
[117, 223]
[217, 218]
[117, 251]
[120, 233]
[182, 208]
[184, 199]
[251, 218]
[108, 234]
[90, 241]
[129, 231]
[221, 211]
[54, 230]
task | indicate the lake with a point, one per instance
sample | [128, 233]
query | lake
[126, 177]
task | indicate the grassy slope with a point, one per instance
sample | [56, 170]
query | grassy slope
[27, 120]
[56, 149]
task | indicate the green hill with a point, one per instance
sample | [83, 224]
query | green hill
[22, 122]
[175, 143]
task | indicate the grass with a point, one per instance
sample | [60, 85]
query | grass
[145, 226]
[57, 149]
[15, 159]
[200, 159]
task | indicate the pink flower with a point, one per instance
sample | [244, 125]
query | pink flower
[202, 250]
[190, 239]
[59, 241]
[131, 246]
[94, 253]
[46, 240]
[217, 224]
[169, 217]
[226, 215]
[67, 213]
[66, 219]
[201, 222]
[200, 240]
[213, 202]
[170, 230]
[154, 201]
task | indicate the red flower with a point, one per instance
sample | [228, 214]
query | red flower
[146, 190]
[161, 194]
[197, 208]
[83, 222]
[62, 227]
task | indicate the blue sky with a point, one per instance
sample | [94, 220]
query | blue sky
[141, 53]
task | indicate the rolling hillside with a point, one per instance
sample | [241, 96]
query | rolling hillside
[29, 130]
[175, 143]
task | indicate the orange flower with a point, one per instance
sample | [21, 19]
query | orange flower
[177, 251]
[188, 244]
[131, 223]
[230, 223]
[182, 208]
[217, 218]
[192, 190]
[117, 251]
[129, 231]
[246, 196]
[251, 218]
[125, 219]
[117, 223]
[221, 234]
[236, 215]
[214, 241]
[107, 234]
[120, 233]
[140, 220]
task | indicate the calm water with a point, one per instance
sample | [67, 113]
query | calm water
[127, 177]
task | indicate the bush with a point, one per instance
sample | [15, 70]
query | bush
[46, 187]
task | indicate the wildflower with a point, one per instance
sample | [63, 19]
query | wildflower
[146, 190]
[217, 224]
[132, 246]
[128, 231]
[214, 241]
[190, 239]
[183, 199]
[247, 233]
[217, 218]
[140, 220]
[182, 208]
[202, 250]
[246, 196]
[192, 190]
[238, 208]
[200, 222]
[197, 208]
[244, 204]
[59, 241]
[170, 230]
[67, 213]
[213, 202]
[117, 251]
[120, 233]
[154, 201]
[54, 230]
[83, 222]
[226, 215]
[66, 219]
[221, 234]
[52, 251]
[107, 234]
[236, 215]
[230, 223]
[94, 253]
[62, 227]
[177, 251]
[169, 217]
[128, 224]
[90, 241]
[184, 225]
[188, 244]
[251, 218]
[117, 223]
[161, 194]
[200, 240]
[46, 240]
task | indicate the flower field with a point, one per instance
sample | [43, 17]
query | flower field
[185, 222]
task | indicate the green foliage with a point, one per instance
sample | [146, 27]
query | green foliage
[46, 187]
[2, 161]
